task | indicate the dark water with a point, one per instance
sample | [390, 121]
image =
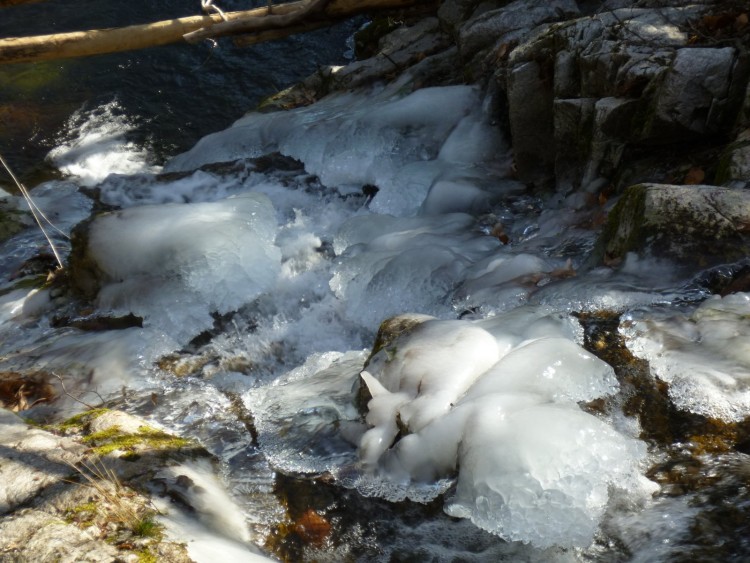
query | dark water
[174, 94]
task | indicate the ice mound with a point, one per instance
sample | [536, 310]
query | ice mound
[174, 264]
[705, 356]
[449, 397]
[400, 143]
[387, 265]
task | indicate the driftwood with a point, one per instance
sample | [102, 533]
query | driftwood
[284, 20]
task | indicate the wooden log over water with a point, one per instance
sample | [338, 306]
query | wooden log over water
[6, 3]
[134, 37]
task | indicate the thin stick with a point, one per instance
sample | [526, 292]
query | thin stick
[84, 403]
[35, 211]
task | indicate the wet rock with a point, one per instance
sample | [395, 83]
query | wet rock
[734, 164]
[696, 226]
[397, 51]
[12, 221]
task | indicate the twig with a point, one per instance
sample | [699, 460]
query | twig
[77, 399]
[37, 213]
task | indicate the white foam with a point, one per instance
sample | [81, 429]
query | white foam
[96, 145]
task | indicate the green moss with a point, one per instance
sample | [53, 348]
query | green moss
[77, 422]
[145, 556]
[113, 439]
[622, 231]
[147, 527]
[82, 515]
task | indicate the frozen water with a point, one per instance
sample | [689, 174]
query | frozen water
[704, 356]
[531, 465]
[291, 269]
[385, 139]
[174, 264]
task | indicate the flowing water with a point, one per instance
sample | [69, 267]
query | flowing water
[533, 407]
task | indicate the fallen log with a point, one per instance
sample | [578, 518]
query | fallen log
[134, 37]
[6, 3]
[254, 24]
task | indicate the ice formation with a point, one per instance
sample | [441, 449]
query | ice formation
[389, 265]
[401, 144]
[449, 396]
[705, 356]
[185, 261]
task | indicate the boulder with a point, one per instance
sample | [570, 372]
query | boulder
[583, 92]
[695, 226]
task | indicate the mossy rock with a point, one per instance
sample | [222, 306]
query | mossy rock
[695, 226]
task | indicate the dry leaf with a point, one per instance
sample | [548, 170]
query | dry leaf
[741, 21]
[695, 176]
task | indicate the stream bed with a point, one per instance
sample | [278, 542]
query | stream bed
[523, 403]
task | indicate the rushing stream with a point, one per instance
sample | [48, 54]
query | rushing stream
[507, 416]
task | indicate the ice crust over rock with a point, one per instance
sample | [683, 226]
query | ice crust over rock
[403, 144]
[704, 356]
[450, 398]
[186, 260]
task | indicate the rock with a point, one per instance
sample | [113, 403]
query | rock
[80, 497]
[36, 535]
[734, 164]
[584, 92]
[399, 50]
[694, 94]
[511, 22]
[31, 460]
[531, 115]
[696, 226]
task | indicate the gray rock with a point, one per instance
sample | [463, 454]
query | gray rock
[35, 535]
[693, 93]
[531, 122]
[521, 16]
[696, 226]
[637, 83]
[31, 460]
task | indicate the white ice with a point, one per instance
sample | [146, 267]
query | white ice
[400, 143]
[531, 465]
[174, 264]
[704, 356]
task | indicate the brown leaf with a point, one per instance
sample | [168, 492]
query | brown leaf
[741, 21]
[694, 176]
